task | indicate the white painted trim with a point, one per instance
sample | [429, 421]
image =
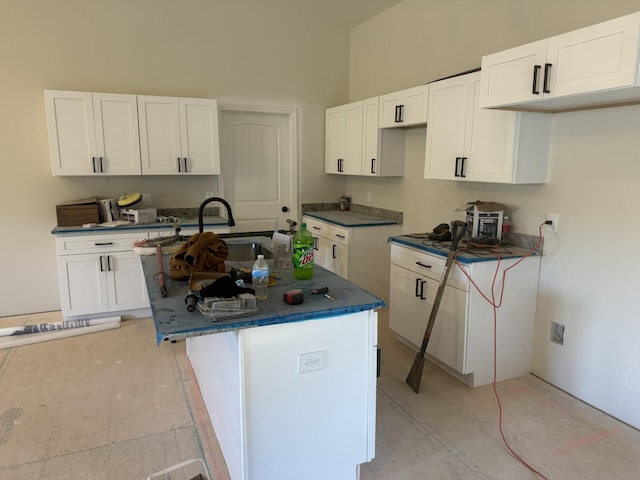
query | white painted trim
[237, 105]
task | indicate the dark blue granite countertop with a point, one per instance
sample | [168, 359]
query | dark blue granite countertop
[185, 222]
[174, 322]
[351, 218]
[464, 253]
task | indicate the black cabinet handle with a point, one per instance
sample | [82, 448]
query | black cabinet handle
[333, 251]
[462, 174]
[373, 163]
[422, 297]
[179, 166]
[93, 164]
[417, 287]
[316, 228]
[422, 264]
[455, 170]
[101, 169]
[340, 236]
[102, 244]
[101, 267]
[536, 72]
[315, 243]
[545, 84]
[401, 116]
[186, 169]
[108, 263]
[397, 117]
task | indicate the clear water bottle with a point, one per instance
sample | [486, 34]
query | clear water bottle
[303, 254]
[260, 277]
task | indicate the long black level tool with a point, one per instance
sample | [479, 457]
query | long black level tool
[415, 375]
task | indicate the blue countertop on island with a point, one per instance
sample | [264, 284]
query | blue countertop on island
[174, 322]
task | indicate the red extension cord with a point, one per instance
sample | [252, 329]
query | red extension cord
[495, 306]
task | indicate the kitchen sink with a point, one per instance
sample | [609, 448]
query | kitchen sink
[247, 251]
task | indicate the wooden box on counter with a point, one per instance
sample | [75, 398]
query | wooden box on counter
[78, 212]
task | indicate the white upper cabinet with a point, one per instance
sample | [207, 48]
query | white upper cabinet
[383, 149]
[354, 145]
[92, 133]
[343, 139]
[595, 65]
[467, 143]
[404, 108]
[179, 136]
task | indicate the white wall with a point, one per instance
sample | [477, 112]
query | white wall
[284, 52]
[588, 277]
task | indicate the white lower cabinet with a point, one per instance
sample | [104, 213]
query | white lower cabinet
[462, 338]
[352, 252]
[330, 245]
[100, 273]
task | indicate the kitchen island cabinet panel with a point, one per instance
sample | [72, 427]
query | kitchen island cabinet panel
[264, 408]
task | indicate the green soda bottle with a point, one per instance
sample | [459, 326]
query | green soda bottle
[303, 254]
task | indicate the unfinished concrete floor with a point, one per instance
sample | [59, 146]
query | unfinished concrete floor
[113, 405]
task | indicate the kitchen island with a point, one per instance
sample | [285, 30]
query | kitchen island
[291, 390]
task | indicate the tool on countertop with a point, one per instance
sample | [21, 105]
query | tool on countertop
[415, 375]
[161, 274]
[293, 297]
[159, 243]
[323, 291]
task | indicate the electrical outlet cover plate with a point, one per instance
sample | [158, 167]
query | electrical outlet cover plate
[308, 362]
[553, 217]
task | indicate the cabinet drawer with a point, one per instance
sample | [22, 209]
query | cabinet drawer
[427, 264]
[97, 243]
[319, 228]
[341, 235]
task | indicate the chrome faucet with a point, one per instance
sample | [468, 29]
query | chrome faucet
[231, 221]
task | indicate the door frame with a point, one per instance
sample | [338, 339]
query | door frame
[231, 105]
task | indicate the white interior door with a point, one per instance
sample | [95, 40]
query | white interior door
[259, 172]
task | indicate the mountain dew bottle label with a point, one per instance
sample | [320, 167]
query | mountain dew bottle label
[303, 254]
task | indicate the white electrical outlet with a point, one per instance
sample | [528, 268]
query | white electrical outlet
[308, 362]
[553, 218]
[146, 199]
